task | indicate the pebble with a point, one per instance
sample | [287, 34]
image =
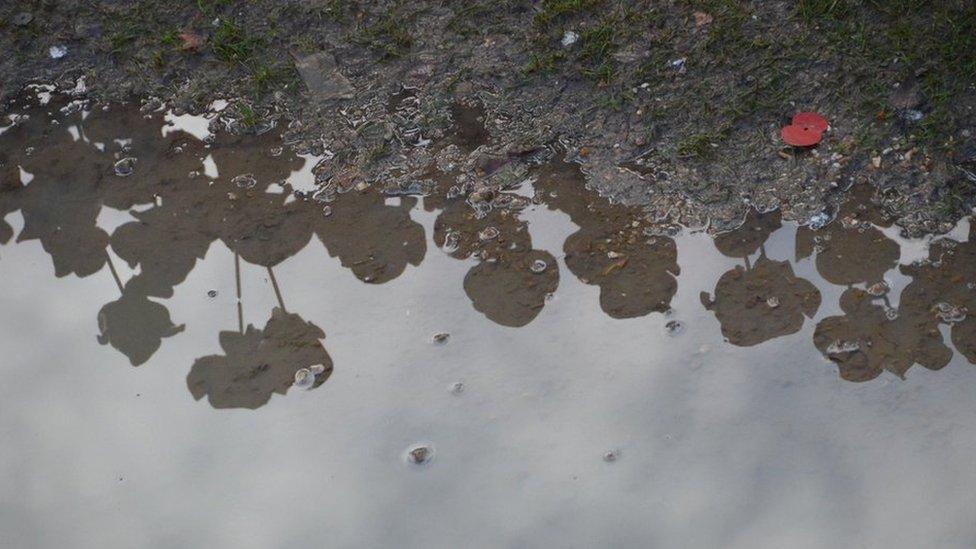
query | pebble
[440, 338]
[22, 19]
[419, 454]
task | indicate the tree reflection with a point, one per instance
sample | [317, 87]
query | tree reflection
[868, 339]
[759, 301]
[636, 273]
[851, 249]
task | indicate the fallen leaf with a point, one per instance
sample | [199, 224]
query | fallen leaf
[702, 18]
[191, 41]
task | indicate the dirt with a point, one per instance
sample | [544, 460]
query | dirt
[673, 107]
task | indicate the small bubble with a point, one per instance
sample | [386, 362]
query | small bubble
[538, 266]
[440, 338]
[419, 454]
[304, 378]
[489, 233]
[891, 313]
[674, 327]
[245, 181]
[611, 456]
[772, 302]
[457, 388]
[125, 167]
[212, 294]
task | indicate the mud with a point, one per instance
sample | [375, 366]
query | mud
[500, 315]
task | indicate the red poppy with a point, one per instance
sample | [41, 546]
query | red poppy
[806, 130]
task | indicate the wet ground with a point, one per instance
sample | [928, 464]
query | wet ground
[204, 347]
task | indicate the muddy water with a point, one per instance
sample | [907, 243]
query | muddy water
[195, 354]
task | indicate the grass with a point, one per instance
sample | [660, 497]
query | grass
[388, 36]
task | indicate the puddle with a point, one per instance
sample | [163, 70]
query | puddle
[219, 356]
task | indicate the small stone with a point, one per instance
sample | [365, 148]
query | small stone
[611, 456]
[570, 38]
[420, 454]
[457, 387]
[440, 338]
[878, 289]
[22, 19]
[322, 77]
[876, 162]
[772, 302]
[361, 186]
[538, 266]
[488, 233]
[57, 52]
[212, 294]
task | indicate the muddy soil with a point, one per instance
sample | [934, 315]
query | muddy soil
[674, 107]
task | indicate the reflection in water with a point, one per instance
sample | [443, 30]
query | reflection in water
[868, 339]
[257, 363]
[60, 165]
[758, 302]
[852, 249]
[636, 273]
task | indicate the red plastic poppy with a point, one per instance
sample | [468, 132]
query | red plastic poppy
[811, 119]
[806, 130]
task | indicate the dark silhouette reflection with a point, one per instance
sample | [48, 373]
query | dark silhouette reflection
[373, 240]
[758, 302]
[868, 339]
[944, 288]
[851, 249]
[258, 363]
[636, 273]
[511, 281]
[135, 326]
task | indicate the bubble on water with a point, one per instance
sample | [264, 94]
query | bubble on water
[674, 327]
[772, 302]
[457, 387]
[878, 289]
[949, 313]
[245, 181]
[489, 233]
[440, 338]
[539, 266]
[212, 294]
[125, 167]
[891, 313]
[326, 211]
[451, 241]
[304, 378]
[611, 455]
[419, 454]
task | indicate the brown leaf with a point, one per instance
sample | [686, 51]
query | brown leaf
[191, 41]
[702, 18]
